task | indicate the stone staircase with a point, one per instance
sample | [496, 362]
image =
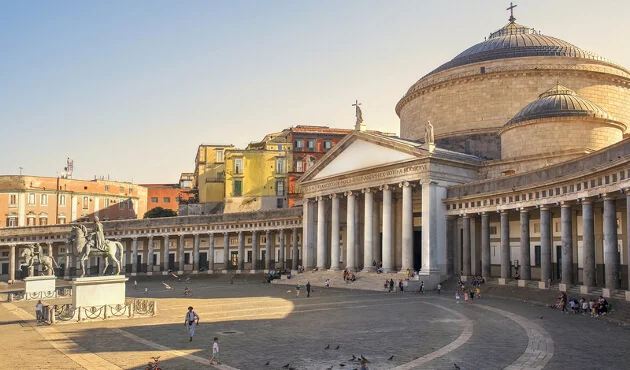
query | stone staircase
[364, 280]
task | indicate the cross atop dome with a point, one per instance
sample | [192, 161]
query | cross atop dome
[511, 9]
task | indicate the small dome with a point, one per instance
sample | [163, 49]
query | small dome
[559, 101]
[516, 41]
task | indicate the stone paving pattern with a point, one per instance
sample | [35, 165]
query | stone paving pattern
[259, 322]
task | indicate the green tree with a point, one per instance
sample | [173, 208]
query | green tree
[160, 212]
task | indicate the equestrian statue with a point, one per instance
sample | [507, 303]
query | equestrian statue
[88, 244]
[34, 255]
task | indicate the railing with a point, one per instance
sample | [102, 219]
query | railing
[24, 296]
[130, 309]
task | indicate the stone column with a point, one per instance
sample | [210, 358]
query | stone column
[486, 267]
[241, 252]
[407, 226]
[196, 253]
[628, 235]
[376, 232]
[368, 233]
[451, 222]
[294, 261]
[255, 253]
[351, 263]
[506, 266]
[166, 253]
[306, 224]
[611, 249]
[433, 231]
[545, 244]
[321, 233]
[12, 264]
[210, 252]
[334, 234]
[226, 250]
[281, 237]
[466, 245]
[526, 269]
[567, 243]
[388, 265]
[268, 250]
[134, 255]
[588, 243]
[181, 253]
[150, 254]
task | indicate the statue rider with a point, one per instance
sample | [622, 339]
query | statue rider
[98, 237]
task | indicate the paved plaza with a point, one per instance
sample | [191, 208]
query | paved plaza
[259, 323]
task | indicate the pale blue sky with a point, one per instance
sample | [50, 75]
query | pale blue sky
[131, 88]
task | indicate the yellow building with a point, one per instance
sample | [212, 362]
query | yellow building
[256, 177]
[209, 172]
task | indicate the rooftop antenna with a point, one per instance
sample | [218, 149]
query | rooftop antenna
[21, 168]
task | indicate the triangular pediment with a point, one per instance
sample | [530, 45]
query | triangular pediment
[359, 151]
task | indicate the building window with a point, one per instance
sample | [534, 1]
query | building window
[219, 155]
[167, 199]
[43, 199]
[238, 187]
[30, 220]
[121, 205]
[327, 145]
[13, 200]
[130, 204]
[280, 165]
[178, 199]
[62, 200]
[299, 144]
[537, 255]
[279, 203]
[61, 220]
[187, 258]
[279, 187]
[43, 221]
[12, 221]
[31, 198]
[299, 165]
[311, 145]
[154, 199]
[85, 202]
[130, 190]
[493, 230]
[122, 189]
[238, 165]
[249, 256]
[536, 228]
[106, 187]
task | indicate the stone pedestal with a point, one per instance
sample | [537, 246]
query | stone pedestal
[39, 284]
[238, 272]
[607, 293]
[253, 271]
[98, 291]
[585, 289]
[523, 283]
[627, 296]
[562, 287]
[210, 272]
[224, 272]
[542, 285]
[503, 281]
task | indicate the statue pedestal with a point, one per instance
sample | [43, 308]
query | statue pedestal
[38, 287]
[98, 291]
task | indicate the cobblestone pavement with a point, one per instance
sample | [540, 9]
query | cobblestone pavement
[258, 323]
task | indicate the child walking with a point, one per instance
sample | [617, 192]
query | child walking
[215, 351]
[297, 290]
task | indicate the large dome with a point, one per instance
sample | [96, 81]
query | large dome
[559, 101]
[517, 41]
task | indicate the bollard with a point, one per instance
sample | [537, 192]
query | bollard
[154, 308]
[131, 308]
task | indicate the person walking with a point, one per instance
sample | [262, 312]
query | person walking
[215, 352]
[135, 284]
[422, 287]
[146, 291]
[439, 288]
[297, 290]
[308, 289]
[39, 311]
[400, 286]
[391, 285]
[231, 278]
[192, 320]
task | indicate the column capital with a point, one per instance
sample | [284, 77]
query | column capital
[609, 196]
[49, 244]
[465, 215]
[348, 193]
[524, 209]
[502, 211]
[267, 232]
[367, 190]
[586, 201]
[385, 187]
[151, 237]
[306, 200]
[566, 204]
[319, 198]
[135, 238]
[544, 207]
[333, 196]
[406, 184]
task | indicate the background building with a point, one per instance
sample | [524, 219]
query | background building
[32, 201]
[210, 172]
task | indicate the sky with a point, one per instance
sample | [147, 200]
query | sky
[129, 89]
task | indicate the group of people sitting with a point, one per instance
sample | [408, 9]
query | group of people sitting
[348, 276]
[594, 307]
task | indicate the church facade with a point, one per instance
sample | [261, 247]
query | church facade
[526, 177]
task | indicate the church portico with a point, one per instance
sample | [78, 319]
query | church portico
[389, 192]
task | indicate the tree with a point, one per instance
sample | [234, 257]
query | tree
[160, 212]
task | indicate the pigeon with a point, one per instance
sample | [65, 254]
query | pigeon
[456, 367]
[390, 358]
[353, 358]
[342, 365]
[364, 359]
[541, 317]
[327, 346]
[267, 364]
[286, 366]
[338, 347]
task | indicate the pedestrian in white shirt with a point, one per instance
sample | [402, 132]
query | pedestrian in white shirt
[39, 311]
[192, 320]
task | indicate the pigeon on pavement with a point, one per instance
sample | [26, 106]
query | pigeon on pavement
[390, 358]
[327, 346]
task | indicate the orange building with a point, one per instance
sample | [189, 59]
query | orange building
[34, 201]
[167, 196]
